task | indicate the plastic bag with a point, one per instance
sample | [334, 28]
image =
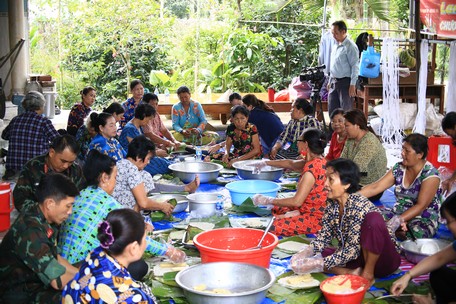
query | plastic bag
[370, 63]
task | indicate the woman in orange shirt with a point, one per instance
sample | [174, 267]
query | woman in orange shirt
[302, 213]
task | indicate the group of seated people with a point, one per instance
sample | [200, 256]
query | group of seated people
[334, 198]
[61, 207]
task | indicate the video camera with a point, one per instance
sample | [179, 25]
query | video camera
[313, 74]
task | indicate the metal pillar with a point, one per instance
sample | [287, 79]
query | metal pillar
[17, 26]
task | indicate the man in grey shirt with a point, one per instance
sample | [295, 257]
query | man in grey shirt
[344, 69]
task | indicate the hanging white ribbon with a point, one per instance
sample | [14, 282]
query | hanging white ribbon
[391, 127]
[420, 120]
[451, 93]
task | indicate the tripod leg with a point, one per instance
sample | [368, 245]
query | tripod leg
[325, 129]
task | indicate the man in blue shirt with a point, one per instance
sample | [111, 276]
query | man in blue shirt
[344, 69]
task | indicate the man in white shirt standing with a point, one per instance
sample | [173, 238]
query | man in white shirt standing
[344, 69]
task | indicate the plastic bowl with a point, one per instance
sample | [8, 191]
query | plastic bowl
[246, 283]
[241, 190]
[359, 285]
[234, 245]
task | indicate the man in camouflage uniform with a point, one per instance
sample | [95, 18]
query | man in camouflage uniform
[31, 271]
[60, 158]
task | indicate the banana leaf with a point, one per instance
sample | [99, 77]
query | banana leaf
[191, 232]
[297, 297]
[216, 161]
[160, 215]
[168, 278]
[248, 207]
[290, 186]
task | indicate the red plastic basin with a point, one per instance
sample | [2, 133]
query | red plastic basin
[346, 298]
[232, 245]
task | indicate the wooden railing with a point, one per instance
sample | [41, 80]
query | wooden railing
[222, 110]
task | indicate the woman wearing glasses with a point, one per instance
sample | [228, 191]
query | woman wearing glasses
[339, 136]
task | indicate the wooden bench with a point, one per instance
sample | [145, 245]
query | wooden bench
[222, 110]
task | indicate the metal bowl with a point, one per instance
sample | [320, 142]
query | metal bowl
[247, 283]
[203, 203]
[413, 250]
[187, 171]
[245, 168]
[182, 201]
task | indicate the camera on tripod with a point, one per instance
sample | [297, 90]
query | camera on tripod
[313, 74]
[316, 77]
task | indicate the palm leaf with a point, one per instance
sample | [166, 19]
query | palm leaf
[380, 8]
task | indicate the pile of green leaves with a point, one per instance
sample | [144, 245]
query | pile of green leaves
[248, 207]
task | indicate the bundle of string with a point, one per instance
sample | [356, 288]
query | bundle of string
[420, 121]
[391, 128]
[105, 228]
[451, 94]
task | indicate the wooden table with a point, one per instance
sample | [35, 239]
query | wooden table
[223, 109]
[406, 92]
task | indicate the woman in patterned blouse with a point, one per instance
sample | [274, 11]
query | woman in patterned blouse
[302, 119]
[241, 135]
[366, 246]
[301, 213]
[417, 188]
[104, 276]
[105, 141]
[137, 91]
[81, 110]
[78, 234]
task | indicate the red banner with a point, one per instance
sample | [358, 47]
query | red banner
[439, 16]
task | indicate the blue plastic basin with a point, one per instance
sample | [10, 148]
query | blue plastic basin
[241, 190]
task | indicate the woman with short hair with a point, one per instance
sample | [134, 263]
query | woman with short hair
[144, 113]
[134, 183]
[189, 120]
[366, 246]
[29, 134]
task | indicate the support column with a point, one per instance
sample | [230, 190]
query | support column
[17, 26]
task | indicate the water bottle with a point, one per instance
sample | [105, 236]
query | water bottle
[166, 95]
[219, 206]
[198, 153]
[156, 92]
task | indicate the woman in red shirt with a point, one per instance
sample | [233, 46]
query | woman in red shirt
[339, 135]
[302, 213]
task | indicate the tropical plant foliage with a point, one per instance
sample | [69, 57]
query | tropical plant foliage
[243, 45]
